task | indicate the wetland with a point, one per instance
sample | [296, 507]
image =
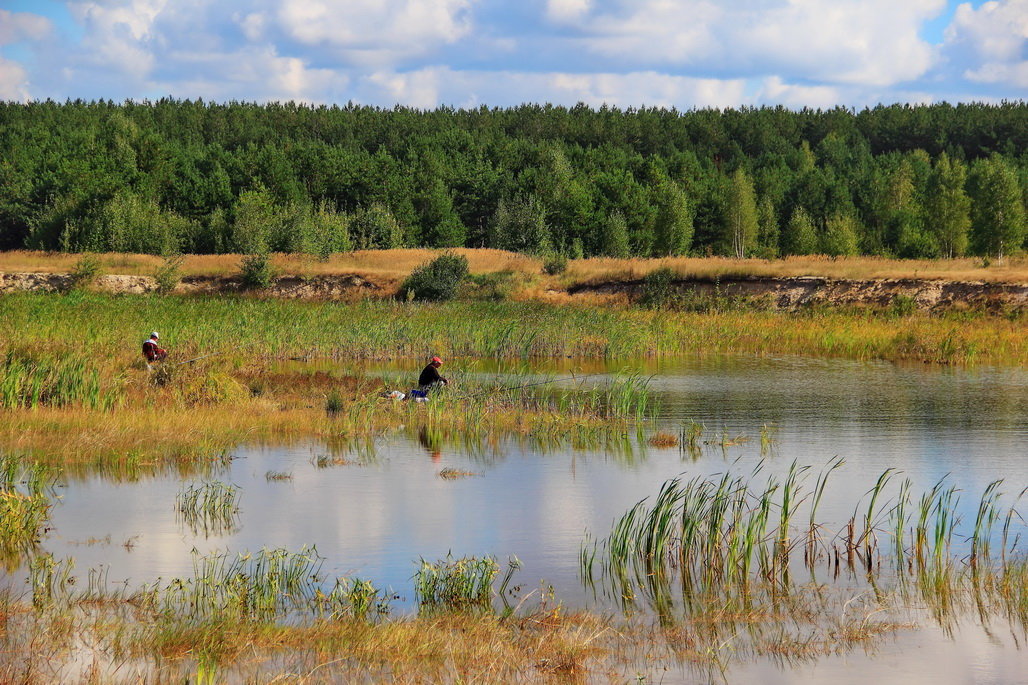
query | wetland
[265, 514]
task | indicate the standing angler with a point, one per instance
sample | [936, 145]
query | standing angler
[152, 352]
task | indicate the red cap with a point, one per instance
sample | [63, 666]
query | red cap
[437, 359]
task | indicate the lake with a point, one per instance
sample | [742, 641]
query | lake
[373, 510]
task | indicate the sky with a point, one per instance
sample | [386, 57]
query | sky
[467, 53]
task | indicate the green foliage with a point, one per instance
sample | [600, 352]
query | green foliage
[438, 279]
[800, 237]
[615, 237]
[840, 236]
[741, 215]
[520, 226]
[333, 403]
[998, 214]
[178, 175]
[949, 206]
[256, 271]
[256, 220]
[455, 584]
[673, 227]
[658, 289]
[375, 227]
[32, 379]
[168, 274]
[85, 271]
[495, 287]
[555, 265]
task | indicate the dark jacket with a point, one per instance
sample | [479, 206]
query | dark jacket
[430, 375]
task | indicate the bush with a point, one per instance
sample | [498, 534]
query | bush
[256, 271]
[85, 271]
[168, 274]
[438, 279]
[658, 289]
[555, 265]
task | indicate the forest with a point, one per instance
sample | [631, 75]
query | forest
[173, 176]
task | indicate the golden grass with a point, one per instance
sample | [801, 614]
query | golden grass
[388, 268]
[601, 270]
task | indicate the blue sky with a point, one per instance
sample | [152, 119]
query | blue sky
[426, 53]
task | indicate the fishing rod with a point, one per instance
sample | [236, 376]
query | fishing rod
[196, 359]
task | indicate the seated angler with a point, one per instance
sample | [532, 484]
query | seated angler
[152, 352]
[430, 378]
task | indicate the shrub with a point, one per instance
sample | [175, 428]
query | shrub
[902, 305]
[85, 271]
[168, 274]
[555, 265]
[256, 271]
[333, 403]
[438, 279]
[658, 289]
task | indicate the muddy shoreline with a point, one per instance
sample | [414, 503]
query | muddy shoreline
[777, 292]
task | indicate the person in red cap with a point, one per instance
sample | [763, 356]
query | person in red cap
[430, 377]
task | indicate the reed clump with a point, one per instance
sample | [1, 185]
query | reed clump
[210, 508]
[734, 535]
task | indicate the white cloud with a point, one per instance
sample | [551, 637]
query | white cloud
[15, 26]
[996, 31]
[429, 87]
[990, 43]
[259, 75]
[566, 10]
[848, 41]
[13, 81]
[376, 31]
[253, 26]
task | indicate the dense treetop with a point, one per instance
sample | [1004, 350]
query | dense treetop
[167, 176]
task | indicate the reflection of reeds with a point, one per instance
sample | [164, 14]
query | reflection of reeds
[24, 506]
[210, 508]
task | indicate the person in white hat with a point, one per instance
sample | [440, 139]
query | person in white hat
[152, 352]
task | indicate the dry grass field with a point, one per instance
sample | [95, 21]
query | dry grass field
[389, 267]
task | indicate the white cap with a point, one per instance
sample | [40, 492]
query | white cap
[154, 335]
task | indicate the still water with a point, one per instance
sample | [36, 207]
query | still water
[376, 514]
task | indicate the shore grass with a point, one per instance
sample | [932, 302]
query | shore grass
[110, 329]
[73, 386]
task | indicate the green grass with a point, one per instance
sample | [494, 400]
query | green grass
[734, 533]
[111, 328]
[209, 508]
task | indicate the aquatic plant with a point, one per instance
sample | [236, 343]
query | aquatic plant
[459, 584]
[210, 507]
[717, 534]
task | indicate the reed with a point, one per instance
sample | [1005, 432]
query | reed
[210, 508]
[720, 536]
[450, 584]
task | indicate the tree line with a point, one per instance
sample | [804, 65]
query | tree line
[191, 176]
